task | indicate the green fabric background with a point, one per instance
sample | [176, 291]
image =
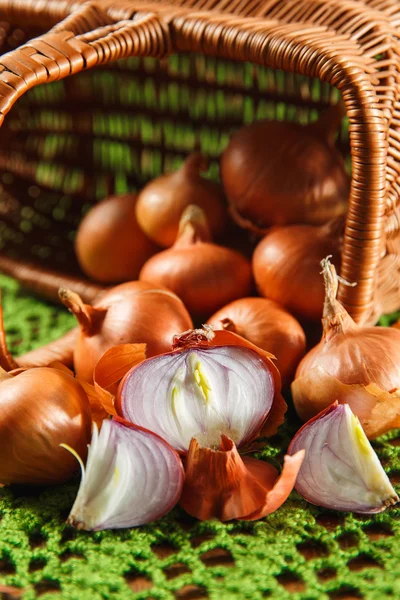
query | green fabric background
[299, 552]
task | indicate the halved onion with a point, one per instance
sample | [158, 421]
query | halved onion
[199, 393]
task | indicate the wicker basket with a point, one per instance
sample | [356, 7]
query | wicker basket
[153, 81]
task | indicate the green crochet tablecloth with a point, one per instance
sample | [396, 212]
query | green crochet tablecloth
[300, 552]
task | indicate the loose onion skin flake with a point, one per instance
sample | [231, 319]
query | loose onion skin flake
[132, 477]
[221, 484]
[215, 391]
[267, 325]
[341, 470]
[355, 365]
[280, 173]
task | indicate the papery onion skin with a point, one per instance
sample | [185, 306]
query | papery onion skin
[110, 245]
[132, 477]
[341, 470]
[204, 275]
[286, 266]
[221, 484]
[352, 355]
[130, 313]
[267, 325]
[39, 409]
[162, 201]
[280, 173]
[203, 397]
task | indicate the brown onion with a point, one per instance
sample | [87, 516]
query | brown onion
[356, 365]
[161, 203]
[204, 275]
[280, 173]
[286, 265]
[266, 325]
[39, 409]
[131, 312]
[110, 245]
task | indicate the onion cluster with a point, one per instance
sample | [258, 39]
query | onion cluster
[173, 411]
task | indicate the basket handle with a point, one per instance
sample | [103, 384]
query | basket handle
[85, 38]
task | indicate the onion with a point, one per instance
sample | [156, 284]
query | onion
[39, 409]
[109, 244]
[356, 365]
[280, 173]
[217, 391]
[286, 265]
[131, 477]
[131, 312]
[341, 470]
[161, 203]
[204, 275]
[266, 325]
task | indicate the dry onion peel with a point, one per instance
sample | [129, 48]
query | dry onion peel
[346, 363]
[111, 368]
[132, 477]
[341, 470]
[219, 483]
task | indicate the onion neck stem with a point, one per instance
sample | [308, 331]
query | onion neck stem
[228, 325]
[88, 317]
[195, 164]
[335, 318]
[193, 227]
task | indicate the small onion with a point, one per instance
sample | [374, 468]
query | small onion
[280, 173]
[206, 276]
[162, 202]
[286, 265]
[131, 477]
[356, 365]
[109, 243]
[266, 325]
[39, 409]
[213, 392]
[132, 312]
[341, 470]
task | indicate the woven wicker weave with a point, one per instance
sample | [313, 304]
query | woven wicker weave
[286, 56]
